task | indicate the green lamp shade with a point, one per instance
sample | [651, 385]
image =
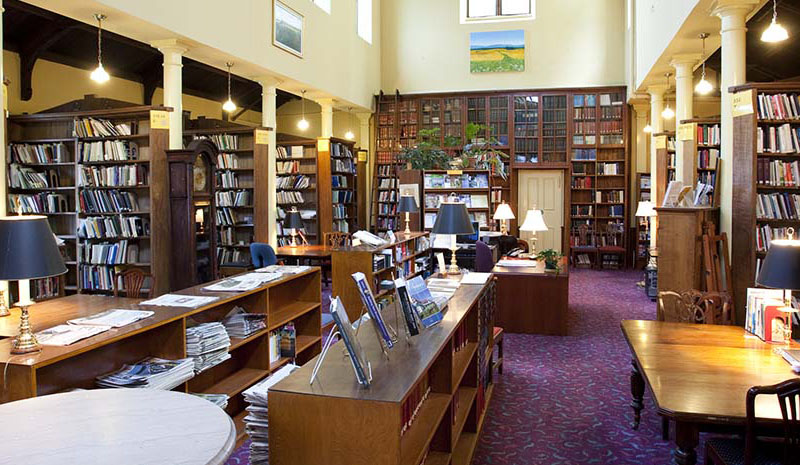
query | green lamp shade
[781, 267]
[28, 249]
[453, 218]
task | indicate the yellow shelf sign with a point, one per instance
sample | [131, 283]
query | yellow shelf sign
[261, 137]
[454, 172]
[661, 142]
[686, 131]
[742, 103]
[159, 119]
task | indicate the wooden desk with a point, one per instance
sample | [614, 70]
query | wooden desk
[532, 301]
[318, 252]
[119, 426]
[699, 376]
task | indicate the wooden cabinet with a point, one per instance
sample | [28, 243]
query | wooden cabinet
[680, 247]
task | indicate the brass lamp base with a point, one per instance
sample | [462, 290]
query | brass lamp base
[453, 268]
[3, 307]
[26, 342]
[408, 223]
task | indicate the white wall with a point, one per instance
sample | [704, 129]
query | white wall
[570, 43]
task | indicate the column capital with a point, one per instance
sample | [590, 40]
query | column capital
[641, 109]
[363, 116]
[656, 91]
[170, 45]
[685, 59]
[325, 102]
[733, 7]
[267, 81]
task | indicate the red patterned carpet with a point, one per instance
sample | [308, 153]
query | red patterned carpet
[566, 400]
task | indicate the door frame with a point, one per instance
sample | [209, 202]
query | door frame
[514, 226]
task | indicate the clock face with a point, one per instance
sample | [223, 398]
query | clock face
[200, 174]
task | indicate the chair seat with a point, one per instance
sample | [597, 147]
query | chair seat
[612, 249]
[731, 451]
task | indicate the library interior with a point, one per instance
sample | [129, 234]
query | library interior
[570, 230]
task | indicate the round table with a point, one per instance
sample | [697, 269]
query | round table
[115, 426]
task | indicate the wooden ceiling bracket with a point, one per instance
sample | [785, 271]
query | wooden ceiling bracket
[33, 50]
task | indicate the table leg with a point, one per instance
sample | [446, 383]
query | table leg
[637, 392]
[687, 437]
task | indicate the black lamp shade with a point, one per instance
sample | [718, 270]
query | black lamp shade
[293, 220]
[28, 249]
[408, 204]
[453, 218]
[781, 267]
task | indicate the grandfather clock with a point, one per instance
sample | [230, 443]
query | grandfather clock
[193, 214]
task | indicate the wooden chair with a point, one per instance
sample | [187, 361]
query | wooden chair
[611, 243]
[725, 451]
[586, 245]
[521, 244]
[132, 283]
[695, 306]
[498, 341]
[335, 239]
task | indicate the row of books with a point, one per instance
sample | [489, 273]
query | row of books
[226, 179]
[345, 165]
[611, 139]
[610, 196]
[222, 141]
[288, 167]
[112, 176]
[386, 170]
[707, 158]
[339, 211]
[387, 196]
[584, 154]
[226, 217]
[496, 196]
[285, 152]
[583, 168]
[46, 287]
[387, 209]
[615, 211]
[388, 183]
[780, 139]
[470, 200]
[289, 197]
[337, 180]
[465, 180]
[108, 150]
[610, 168]
[112, 227]
[39, 154]
[282, 343]
[240, 198]
[227, 161]
[778, 206]
[107, 201]
[43, 202]
[293, 182]
[708, 134]
[117, 253]
[579, 182]
[342, 196]
[413, 403]
[584, 127]
[778, 173]
[23, 177]
[228, 256]
[341, 226]
[766, 234]
[778, 106]
[340, 150]
[383, 156]
[232, 236]
[385, 223]
[582, 210]
[97, 127]
[96, 277]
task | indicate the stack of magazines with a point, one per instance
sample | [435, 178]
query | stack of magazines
[220, 400]
[241, 324]
[207, 344]
[256, 421]
[152, 372]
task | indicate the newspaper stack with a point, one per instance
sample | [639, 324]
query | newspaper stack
[241, 324]
[152, 372]
[256, 423]
[207, 344]
[220, 400]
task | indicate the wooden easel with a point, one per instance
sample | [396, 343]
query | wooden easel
[716, 261]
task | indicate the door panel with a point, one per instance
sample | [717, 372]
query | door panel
[543, 189]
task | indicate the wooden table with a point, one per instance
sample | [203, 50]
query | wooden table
[119, 426]
[317, 252]
[532, 301]
[699, 376]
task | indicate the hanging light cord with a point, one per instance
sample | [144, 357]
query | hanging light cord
[303, 104]
[774, 11]
[229, 79]
[703, 58]
[99, 39]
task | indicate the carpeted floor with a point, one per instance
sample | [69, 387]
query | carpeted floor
[566, 400]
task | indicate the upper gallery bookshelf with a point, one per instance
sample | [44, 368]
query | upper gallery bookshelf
[766, 184]
[297, 186]
[97, 175]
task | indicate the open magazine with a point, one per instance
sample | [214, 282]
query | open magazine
[428, 308]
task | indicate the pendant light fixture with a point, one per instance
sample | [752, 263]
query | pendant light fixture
[648, 129]
[99, 75]
[303, 123]
[229, 106]
[349, 134]
[775, 32]
[703, 87]
[668, 112]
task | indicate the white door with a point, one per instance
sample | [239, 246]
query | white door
[543, 190]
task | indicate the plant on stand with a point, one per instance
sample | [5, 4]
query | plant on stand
[550, 258]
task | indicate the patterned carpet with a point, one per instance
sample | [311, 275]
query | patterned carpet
[566, 400]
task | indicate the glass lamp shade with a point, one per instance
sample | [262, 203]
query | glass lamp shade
[28, 249]
[703, 87]
[229, 106]
[293, 220]
[774, 33]
[645, 209]
[100, 75]
[781, 267]
[302, 124]
[534, 221]
[453, 218]
[668, 113]
[408, 204]
[503, 212]
[648, 129]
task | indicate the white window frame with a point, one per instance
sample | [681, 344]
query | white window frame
[321, 6]
[495, 19]
[359, 32]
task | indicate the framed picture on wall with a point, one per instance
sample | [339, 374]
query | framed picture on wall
[287, 29]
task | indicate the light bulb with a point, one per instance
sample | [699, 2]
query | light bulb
[648, 129]
[100, 75]
[302, 124]
[703, 87]
[229, 106]
[774, 33]
[349, 135]
[668, 113]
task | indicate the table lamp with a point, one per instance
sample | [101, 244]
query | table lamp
[408, 205]
[28, 250]
[534, 222]
[503, 213]
[453, 219]
[293, 221]
[781, 270]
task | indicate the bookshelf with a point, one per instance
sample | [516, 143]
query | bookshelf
[297, 187]
[642, 241]
[704, 149]
[471, 186]
[96, 175]
[343, 186]
[763, 124]
[665, 160]
[397, 122]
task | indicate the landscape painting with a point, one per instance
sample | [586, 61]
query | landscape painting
[497, 51]
[287, 29]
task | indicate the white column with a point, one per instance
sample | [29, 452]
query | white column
[656, 107]
[326, 117]
[732, 14]
[363, 143]
[173, 51]
[269, 119]
[684, 99]
[642, 111]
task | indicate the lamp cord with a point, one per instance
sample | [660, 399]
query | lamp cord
[99, 41]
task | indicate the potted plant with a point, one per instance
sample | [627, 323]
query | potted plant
[426, 155]
[551, 258]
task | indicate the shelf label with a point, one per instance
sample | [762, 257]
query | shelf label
[686, 131]
[323, 145]
[159, 119]
[261, 137]
[362, 156]
[742, 103]
[661, 142]
[454, 172]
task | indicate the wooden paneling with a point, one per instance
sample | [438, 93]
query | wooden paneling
[531, 301]
[324, 194]
[159, 208]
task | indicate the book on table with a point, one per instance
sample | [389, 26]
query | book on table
[428, 308]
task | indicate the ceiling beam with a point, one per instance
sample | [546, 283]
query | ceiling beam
[249, 105]
[34, 48]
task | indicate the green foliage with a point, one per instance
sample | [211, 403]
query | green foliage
[550, 257]
[485, 155]
[426, 155]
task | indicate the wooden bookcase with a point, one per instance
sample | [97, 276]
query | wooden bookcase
[453, 360]
[461, 182]
[295, 298]
[298, 158]
[241, 208]
[665, 160]
[704, 149]
[751, 182]
[343, 184]
[405, 255]
[642, 237]
[76, 177]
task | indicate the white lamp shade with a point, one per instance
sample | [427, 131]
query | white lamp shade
[534, 221]
[645, 208]
[503, 212]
